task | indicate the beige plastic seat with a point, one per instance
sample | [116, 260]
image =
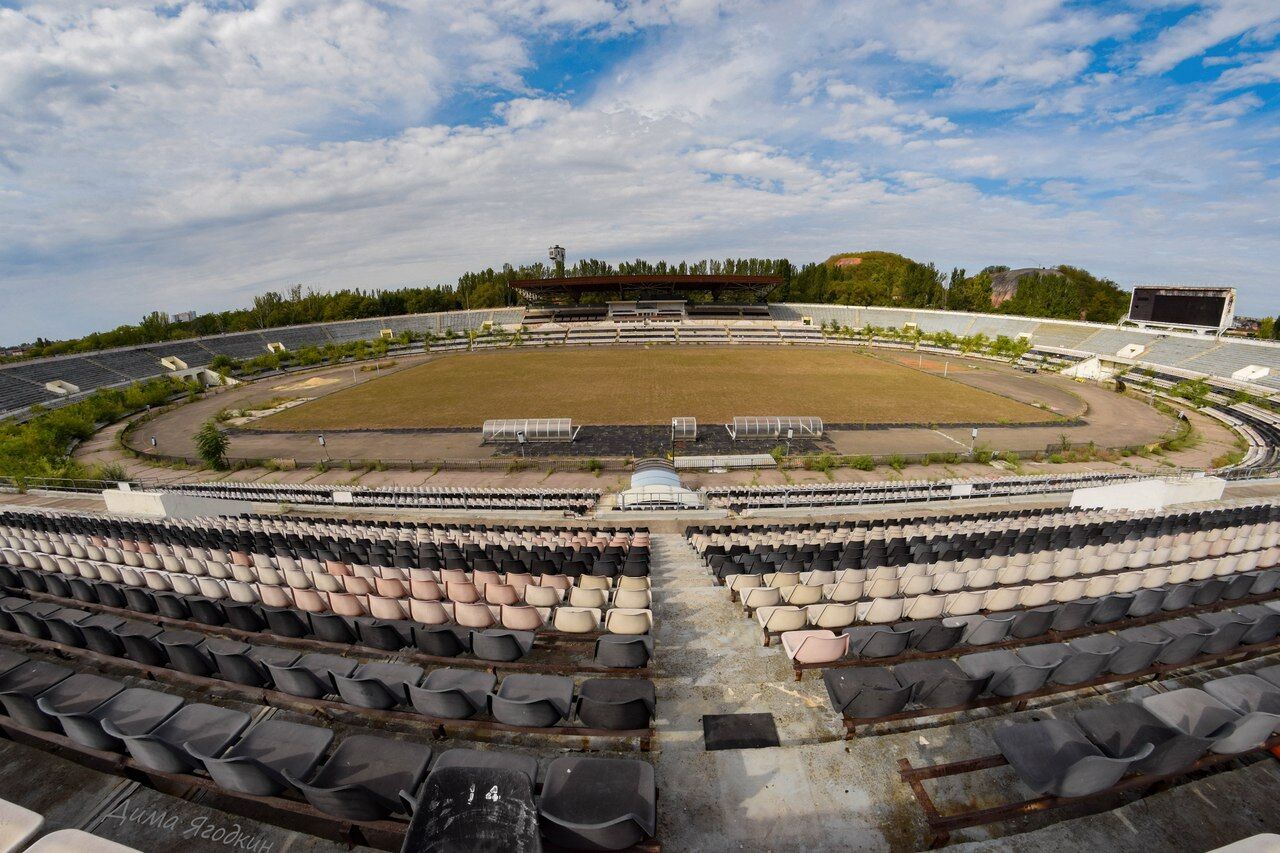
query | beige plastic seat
[590, 598]
[543, 596]
[845, 591]
[802, 595]
[815, 646]
[639, 599]
[963, 603]
[430, 612]
[880, 611]
[521, 617]
[474, 615]
[594, 582]
[832, 616]
[761, 596]
[782, 618]
[1001, 598]
[576, 620]
[382, 607]
[924, 607]
[275, 596]
[628, 620]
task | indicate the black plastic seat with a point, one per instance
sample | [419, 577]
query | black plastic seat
[598, 803]
[139, 640]
[377, 685]
[623, 704]
[64, 626]
[31, 618]
[206, 611]
[932, 635]
[244, 616]
[21, 684]
[257, 764]
[865, 692]
[99, 634]
[628, 652]
[1265, 623]
[1055, 758]
[187, 653]
[80, 693]
[1070, 665]
[133, 711]
[386, 634]
[1228, 631]
[208, 729]
[364, 776]
[1033, 622]
[495, 759]
[1189, 636]
[1124, 729]
[444, 641]
[1142, 647]
[461, 821]
[171, 605]
[876, 641]
[332, 628]
[939, 683]
[311, 675]
[501, 644]
[1111, 608]
[1010, 675]
[285, 621]
[247, 665]
[453, 694]
[532, 701]
[1074, 614]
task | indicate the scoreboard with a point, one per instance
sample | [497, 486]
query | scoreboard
[1194, 307]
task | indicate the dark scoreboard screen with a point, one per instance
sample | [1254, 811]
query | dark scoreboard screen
[1207, 307]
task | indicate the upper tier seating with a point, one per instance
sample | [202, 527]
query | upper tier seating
[579, 501]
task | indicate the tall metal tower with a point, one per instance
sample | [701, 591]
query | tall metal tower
[556, 254]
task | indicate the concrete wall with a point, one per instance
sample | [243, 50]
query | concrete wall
[1149, 494]
[168, 505]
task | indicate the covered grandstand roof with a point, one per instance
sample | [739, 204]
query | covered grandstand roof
[570, 288]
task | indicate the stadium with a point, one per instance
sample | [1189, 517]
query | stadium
[653, 561]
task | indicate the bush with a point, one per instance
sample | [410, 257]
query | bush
[1057, 458]
[594, 466]
[778, 453]
[897, 461]
[212, 444]
[983, 453]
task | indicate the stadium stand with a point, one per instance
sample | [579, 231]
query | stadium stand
[81, 372]
[577, 501]
[244, 345]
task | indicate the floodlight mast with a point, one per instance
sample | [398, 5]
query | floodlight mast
[556, 254]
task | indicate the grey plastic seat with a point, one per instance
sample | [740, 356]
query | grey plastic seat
[1198, 714]
[1208, 591]
[21, 684]
[1111, 608]
[99, 634]
[79, 693]
[534, 701]
[501, 644]
[187, 652]
[985, 630]
[31, 618]
[139, 640]
[1228, 631]
[1034, 622]
[1238, 586]
[63, 626]
[364, 776]
[1070, 665]
[939, 683]
[1074, 614]
[461, 821]
[446, 641]
[619, 704]
[1010, 675]
[257, 764]
[11, 660]
[285, 621]
[171, 605]
[245, 616]
[876, 641]
[1124, 729]
[865, 692]
[134, 711]
[387, 634]
[598, 803]
[453, 694]
[932, 635]
[249, 666]
[1265, 623]
[1055, 758]
[1144, 644]
[516, 762]
[1264, 581]
[208, 728]
[622, 651]
[1189, 636]
[1245, 694]
[311, 675]
[333, 628]
[377, 685]
[1178, 596]
[1146, 601]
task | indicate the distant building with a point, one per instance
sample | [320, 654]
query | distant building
[184, 317]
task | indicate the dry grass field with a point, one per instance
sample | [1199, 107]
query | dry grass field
[613, 385]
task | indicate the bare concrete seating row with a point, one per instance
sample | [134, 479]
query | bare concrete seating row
[869, 693]
[1137, 747]
[364, 778]
[528, 701]
[499, 645]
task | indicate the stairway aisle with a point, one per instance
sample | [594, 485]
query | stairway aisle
[710, 660]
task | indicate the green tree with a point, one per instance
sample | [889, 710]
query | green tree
[212, 444]
[969, 293]
[1267, 328]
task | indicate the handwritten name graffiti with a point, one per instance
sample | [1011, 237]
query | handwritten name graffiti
[197, 827]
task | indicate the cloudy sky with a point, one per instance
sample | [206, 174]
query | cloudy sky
[189, 155]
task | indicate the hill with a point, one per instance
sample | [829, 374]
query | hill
[867, 278]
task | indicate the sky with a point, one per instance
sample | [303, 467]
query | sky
[187, 156]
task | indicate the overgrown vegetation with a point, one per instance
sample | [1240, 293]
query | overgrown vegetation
[212, 444]
[40, 446]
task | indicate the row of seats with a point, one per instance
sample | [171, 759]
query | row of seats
[536, 701]
[586, 802]
[209, 594]
[869, 692]
[577, 501]
[1160, 735]
[442, 640]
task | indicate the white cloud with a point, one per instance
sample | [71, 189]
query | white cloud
[1220, 21]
